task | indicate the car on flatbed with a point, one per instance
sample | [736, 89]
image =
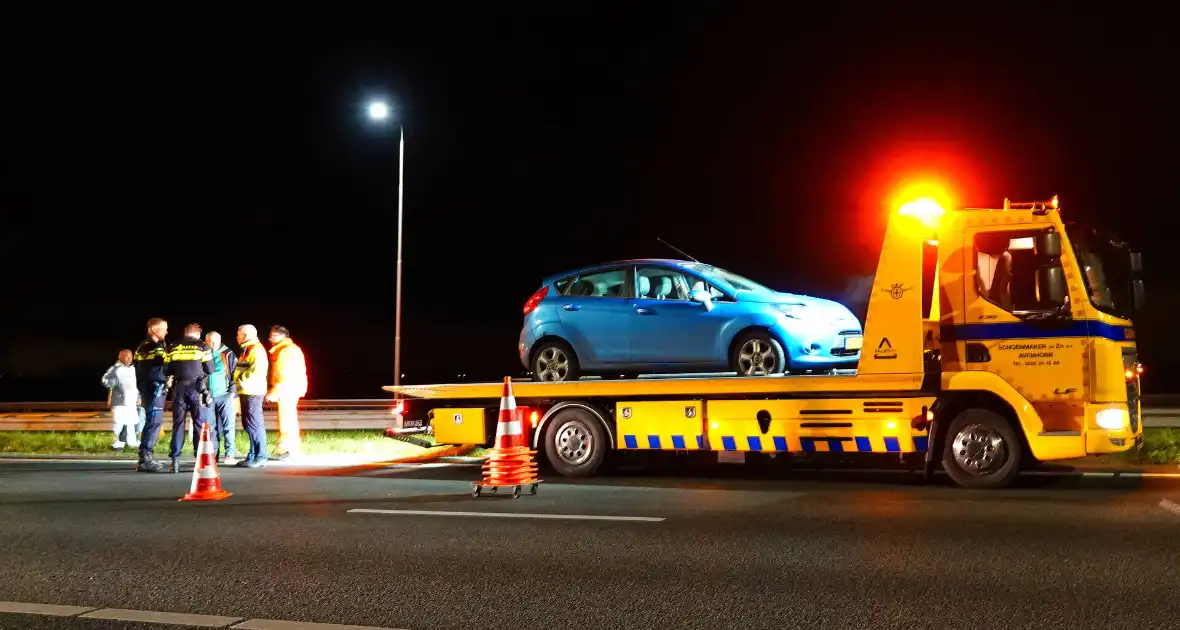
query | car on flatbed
[672, 316]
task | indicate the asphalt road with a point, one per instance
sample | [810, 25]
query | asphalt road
[815, 551]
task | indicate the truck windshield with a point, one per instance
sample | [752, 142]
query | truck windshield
[1106, 269]
[737, 282]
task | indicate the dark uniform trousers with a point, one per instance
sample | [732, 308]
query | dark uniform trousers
[186, 400]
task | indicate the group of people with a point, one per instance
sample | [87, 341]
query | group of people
[205, 379]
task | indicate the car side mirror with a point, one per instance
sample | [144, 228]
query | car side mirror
[1049, 245]
[1138, 296]
[703, 298]
[1051, 285]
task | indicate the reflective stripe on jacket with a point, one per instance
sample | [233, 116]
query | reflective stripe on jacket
[288, 370]
[251, 371]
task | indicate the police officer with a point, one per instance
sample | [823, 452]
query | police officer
[149, 375]
[188, 364]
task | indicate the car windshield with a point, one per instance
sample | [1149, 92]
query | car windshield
[1106, 269]
[738, 282]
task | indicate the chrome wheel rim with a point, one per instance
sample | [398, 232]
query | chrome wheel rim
[756, 358]
[574, 443]
[980, 449]
[553, 364]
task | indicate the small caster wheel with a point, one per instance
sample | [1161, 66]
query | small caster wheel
[516, 492]
[533, 489]
[475, 490]
[494, 489]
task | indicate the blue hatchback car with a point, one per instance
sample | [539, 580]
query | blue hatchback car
[665, 316]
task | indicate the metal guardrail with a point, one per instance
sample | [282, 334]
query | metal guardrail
[345, 414]
[99, 406]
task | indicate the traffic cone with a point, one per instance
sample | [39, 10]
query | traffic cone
[510, 462]
[206, 480]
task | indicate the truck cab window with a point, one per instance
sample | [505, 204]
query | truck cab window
[1006, 270]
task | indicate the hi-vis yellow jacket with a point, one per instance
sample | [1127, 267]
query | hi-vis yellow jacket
[251, 370]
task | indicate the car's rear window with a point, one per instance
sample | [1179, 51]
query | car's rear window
[563, 285]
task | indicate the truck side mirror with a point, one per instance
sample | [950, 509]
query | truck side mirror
[1049, 245]
[1136, 263]
[1051, 285]
[1138, 296]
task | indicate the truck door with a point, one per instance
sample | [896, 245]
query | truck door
[1036, 347]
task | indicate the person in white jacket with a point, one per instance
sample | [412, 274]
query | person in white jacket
[120, 379]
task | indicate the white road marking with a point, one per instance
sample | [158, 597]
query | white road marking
[571, 517]
[150, 616]
[1169, 506]
[43, 609]
[271, 624]
[176, 619]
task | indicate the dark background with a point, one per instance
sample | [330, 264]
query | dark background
[219, 168]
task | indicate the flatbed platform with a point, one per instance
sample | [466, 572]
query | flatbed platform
[692, 387]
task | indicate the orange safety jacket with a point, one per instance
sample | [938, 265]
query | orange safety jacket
[288, 370]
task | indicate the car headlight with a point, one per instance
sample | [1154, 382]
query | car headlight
[794, 311]
[1112, 419]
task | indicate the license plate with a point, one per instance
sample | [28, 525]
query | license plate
[853, 343]
[411, 423]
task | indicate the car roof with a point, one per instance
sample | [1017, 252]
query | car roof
[667, 262]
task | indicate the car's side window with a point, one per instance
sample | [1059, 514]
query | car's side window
[661, 283]
[611, 283]
[563, 285]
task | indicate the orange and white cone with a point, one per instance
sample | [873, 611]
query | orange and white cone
[509, 430]
[206, 481]
[510, 462]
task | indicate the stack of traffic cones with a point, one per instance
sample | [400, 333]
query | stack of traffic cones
[510, 462]
[206, 481]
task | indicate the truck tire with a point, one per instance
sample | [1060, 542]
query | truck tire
[981, 450]
[574, 442]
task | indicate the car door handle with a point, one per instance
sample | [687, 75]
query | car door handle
[645, 311]
[571, 307]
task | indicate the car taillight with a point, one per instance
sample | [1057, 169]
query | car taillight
[399, 408]
[531, 305]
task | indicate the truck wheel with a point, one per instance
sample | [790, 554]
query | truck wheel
[981, 450]
[756, 353]
[554, 361]
[574, 442]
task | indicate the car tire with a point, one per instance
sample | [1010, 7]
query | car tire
[756, 350]
[574, 442]
[554, 361]
[981, 450]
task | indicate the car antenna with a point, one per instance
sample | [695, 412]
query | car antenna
[677, 250]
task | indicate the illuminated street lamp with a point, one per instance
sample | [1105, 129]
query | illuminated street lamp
[379, 113]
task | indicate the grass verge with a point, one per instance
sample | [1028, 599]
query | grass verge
[366, 443]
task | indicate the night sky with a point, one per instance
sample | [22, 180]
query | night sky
[220, 168]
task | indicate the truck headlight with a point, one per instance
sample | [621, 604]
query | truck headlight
[1112, 419]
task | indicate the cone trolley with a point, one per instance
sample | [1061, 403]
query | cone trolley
[510, 465]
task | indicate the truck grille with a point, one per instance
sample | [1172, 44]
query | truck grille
[1133, 403]
[1130, 361]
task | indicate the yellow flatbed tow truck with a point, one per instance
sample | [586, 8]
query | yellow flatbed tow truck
[995, 339]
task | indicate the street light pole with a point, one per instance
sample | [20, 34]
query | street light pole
[397, 325]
